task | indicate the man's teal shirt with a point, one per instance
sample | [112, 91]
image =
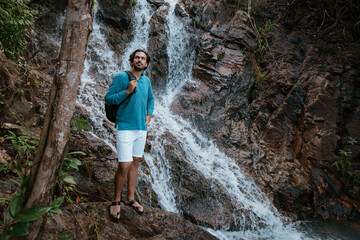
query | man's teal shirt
[131, 115]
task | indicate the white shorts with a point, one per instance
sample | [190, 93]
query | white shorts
[129, 144]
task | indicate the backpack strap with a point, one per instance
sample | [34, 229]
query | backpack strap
[131, 77]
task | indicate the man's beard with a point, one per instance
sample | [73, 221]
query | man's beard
[138, 69]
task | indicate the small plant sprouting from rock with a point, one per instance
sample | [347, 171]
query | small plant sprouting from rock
[78, 124]
[66, 181]
[346, 167]
[24, 145]
[263, 45]
[269, 25]
[132, 3]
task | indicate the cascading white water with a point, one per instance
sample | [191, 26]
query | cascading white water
[142, 16]
[179, 72]
[200, 153]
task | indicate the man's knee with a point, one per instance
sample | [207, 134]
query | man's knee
[135, 161]
[123, 166]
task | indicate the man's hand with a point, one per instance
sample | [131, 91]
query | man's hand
[148, 119]
[132, 85]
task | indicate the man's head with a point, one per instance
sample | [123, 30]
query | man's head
[139, 60]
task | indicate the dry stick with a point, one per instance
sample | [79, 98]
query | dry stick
[318, 30]
[335, 23]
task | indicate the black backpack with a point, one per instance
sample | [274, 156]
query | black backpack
[111, 110]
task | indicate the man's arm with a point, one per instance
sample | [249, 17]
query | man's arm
[150, 101]
[117, 90]
[150, 105]
[148, 119]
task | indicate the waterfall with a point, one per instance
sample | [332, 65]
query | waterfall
[199, 152]
[142, 15]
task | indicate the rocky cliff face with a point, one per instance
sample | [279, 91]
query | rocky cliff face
[286, 131]
[288, 135]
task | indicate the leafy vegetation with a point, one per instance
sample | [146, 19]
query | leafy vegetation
[24, 145]
[67, 182]
[262, 47]
[132, 3]
[16, 19]
[17, 220]
[79, 124]
[345, 166]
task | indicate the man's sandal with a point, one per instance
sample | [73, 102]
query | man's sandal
[131, 204]
[113, 218]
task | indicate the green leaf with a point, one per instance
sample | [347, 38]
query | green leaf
[20, 229]
[342, 165]
[3, 167]
[55, 211]
[69, 179]
[25, 182]
[15, 205]
[73, 166]
[19, 171]
[65, 237]
[2, 237]
[57, 203]
[8, 217]
[72, 162]
[32, 214]
[77, 152]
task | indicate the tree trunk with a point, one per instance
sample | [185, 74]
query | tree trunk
[49, 157]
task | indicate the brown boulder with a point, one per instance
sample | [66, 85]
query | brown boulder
[92, 221]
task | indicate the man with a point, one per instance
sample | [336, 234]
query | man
[132, 119]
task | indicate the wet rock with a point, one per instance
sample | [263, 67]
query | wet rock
[92, 219]
[290, 135]
[203, 201]
[157, 48]
[115, 13]
[180, 11]
[241, 33]
[157, 3]
[46, 37]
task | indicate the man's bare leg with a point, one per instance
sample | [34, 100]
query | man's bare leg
[132, 179]
[120, 178]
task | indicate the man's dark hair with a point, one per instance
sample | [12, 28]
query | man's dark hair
[132, 56]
